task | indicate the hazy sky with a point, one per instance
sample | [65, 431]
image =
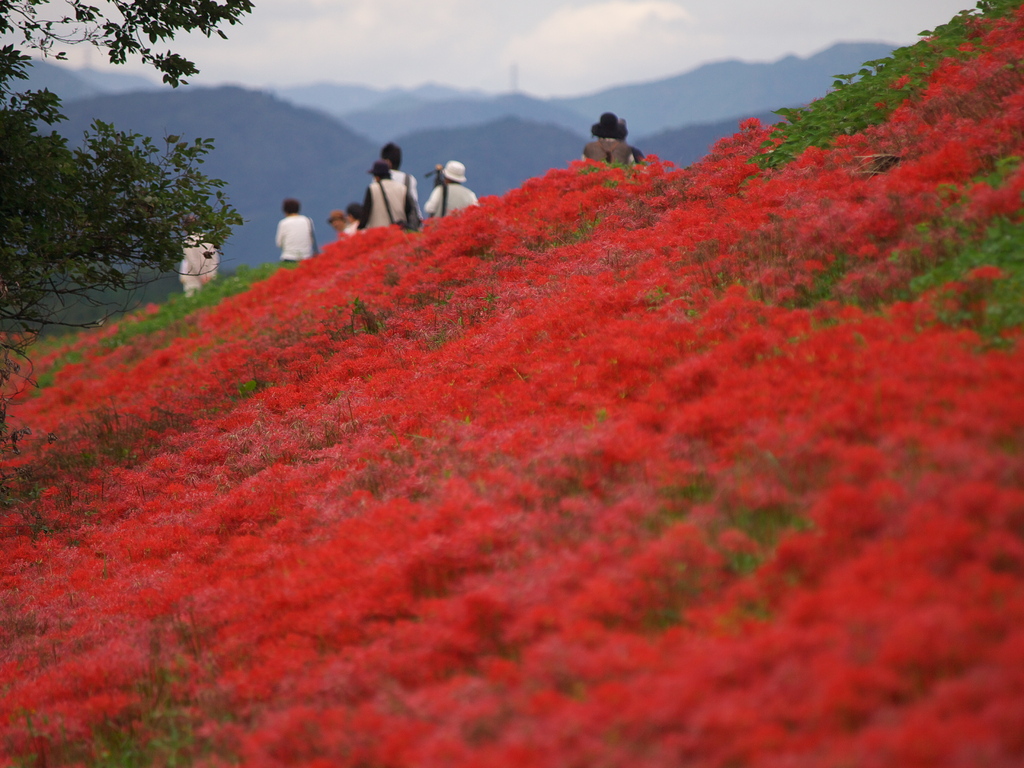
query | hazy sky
[545, 47]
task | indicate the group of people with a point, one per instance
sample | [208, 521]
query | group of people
[392, 199]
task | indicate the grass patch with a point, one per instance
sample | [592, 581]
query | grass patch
[178, 307]
[982, 286]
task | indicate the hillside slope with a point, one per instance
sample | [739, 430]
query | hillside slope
[719, 466]
[267, 148]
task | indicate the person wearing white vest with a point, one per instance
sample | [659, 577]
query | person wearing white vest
[386, 202]
[392, 153]
[450, 195]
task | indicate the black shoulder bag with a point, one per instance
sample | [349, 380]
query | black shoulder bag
[413, 222]
[312, 236]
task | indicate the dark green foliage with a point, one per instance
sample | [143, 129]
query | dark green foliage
[142, 24]
[75, 223]
[103, 216]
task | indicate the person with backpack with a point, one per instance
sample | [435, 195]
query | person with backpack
[449, 193]
[392, 154]
[609, 144]
[386, 202]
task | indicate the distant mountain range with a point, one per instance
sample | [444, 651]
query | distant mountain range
[84, 83]
[710, 93]
[317, 142]
[724, 89]
[340, 99]
[266, 150]
[397, 118]
[707, 94]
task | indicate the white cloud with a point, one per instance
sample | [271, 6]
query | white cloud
[615, 41]
[381, 43]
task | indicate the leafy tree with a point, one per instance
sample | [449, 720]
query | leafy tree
[111, 213]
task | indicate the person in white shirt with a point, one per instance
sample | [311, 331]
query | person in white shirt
[295, 236]
[199, 265]
[450, 195]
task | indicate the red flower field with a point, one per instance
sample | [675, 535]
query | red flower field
[714, 466]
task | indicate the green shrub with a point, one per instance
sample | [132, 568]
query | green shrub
[971, 293]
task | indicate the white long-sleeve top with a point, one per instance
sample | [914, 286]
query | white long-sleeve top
[458, 197]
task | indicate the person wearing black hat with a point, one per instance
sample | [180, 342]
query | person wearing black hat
[609, 143]
[386, 202]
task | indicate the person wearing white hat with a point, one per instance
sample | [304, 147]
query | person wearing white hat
[450, 194]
